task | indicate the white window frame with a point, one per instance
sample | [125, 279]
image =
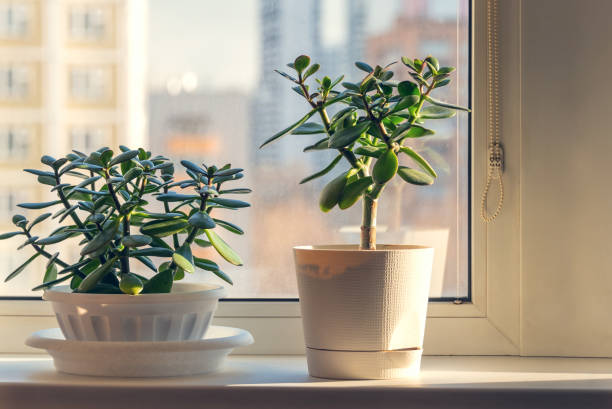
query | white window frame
[489, 324]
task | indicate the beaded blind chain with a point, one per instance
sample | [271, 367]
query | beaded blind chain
[496, 153]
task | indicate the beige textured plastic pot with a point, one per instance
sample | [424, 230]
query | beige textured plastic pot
[363, 312]
[183, 314]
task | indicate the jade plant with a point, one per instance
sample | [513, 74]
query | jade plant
[373, 120]
[104, 205]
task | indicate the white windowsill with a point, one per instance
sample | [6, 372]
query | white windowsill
[28, 381]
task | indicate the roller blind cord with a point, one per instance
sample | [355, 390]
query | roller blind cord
[496, 155]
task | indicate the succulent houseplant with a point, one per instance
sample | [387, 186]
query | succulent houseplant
[376, 118]
[103, 198]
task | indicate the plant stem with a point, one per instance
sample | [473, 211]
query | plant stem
[175, 240]
[368, 224]
[125, 253]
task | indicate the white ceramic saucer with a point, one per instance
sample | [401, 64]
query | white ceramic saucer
[140, 359]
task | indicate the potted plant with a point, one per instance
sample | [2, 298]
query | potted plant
[364, 307]
[104, 206]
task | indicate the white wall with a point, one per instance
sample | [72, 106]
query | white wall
[566, 178]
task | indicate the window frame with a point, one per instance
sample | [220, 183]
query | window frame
[488, 324]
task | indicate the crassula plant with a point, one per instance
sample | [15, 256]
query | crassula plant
[105, 205]
[373, 120]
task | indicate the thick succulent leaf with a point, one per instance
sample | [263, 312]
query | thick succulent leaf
[183, 258]
[123, 157]
[370, 151]
[419, 160]
[235, 191]
[22, 267]
[40, 172]
[289, 128]
[193, 167]
[408, 130]
[319, 145]
[308, 128]
[407, 88]
[159, 283]
[136, 240]
[347, 136]
[176, 197]
[227, 172]
[353, 191]
[93, 278]
[385, 167]
[201, 220]
[5, 236]
[202, 243]
[101, 239]
[229, 202]
[229, 226]
[147, 262]
[36, 206]
[436, 112]
[152, 252]
[324, 171]
[415, 176]
[223, 248]
[49, 284]
[50, 273]
[56, 238]
[445, 104]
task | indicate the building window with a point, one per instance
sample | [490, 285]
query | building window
[90, 85]
[15, 20]
[16, 82]
[89, 23]
[15, 142]
[89, 138]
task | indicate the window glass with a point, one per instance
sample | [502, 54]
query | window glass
[194, 79]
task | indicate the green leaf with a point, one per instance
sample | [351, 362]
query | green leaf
[288, 129]
[405, 102]
[229, 226]
[284, 74]
[47, 160]
[211, 266]
[353, 191]
[434, 62]
[175, 197]
[36, 206]
[30, 240]
[414, 176]
[123, 157]
[370, 151]
[227, 172]
[233, 203]
[5, 236]
[301, 63]
[160, 216]
[347, 136]
[446, 104]
[183, 258]
[102, 239]
[54, 282]
[385, 167]
[68, 212]
[50, 273]
[319, 145]
[436, 112]
[313, 68]
[193, 167]
[408, 88]
[442, 83]
[21, 268]
[363, 66]
[19, 220]
[351, 86]
[40, 172]
[136, 240]
[130, 283]
[235, 191]
[90, 281]
[53, 239]
[223, 248]
[409, 63]
[324, 171]
[147, 262]
[201, 220]
[159, 283]
[408, 130]
[419, 160]
[152, 252]
[332, 192]
[202, 243]
[308, 128]
[105, 155]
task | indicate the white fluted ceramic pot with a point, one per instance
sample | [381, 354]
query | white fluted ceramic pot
[363, 312]
[183, 314]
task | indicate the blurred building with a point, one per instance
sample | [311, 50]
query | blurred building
[71, 77]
